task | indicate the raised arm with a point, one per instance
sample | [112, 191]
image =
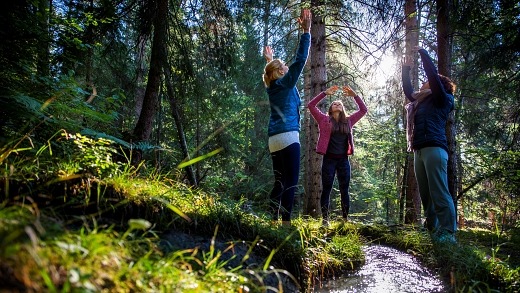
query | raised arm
[433, 76]
[315, 111]
[305, 20]
[290, 79]
[406, 82]
[362, 108]
[268, 54]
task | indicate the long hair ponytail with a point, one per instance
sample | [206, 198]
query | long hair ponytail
[271, 72]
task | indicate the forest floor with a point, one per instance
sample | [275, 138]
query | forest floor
[134, 235]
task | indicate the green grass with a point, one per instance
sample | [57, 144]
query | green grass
[114, 248]
[120, 247]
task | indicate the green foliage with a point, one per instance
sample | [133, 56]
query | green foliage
[346, 249]
[42, 116]
[92, 156]
[97, 258]
[486, 65]
[94, 256]
[71, 154]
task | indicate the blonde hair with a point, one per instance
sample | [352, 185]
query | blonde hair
[342, 125]
[271, 71]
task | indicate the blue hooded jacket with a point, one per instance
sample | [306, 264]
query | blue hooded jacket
[284, 98]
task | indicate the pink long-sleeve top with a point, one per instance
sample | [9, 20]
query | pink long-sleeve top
[325, 125]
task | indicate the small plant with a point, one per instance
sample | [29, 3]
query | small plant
[92, 156]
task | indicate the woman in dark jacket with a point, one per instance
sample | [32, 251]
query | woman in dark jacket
[284, 122]
[427, 114]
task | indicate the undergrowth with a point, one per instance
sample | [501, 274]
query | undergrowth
[75, 219]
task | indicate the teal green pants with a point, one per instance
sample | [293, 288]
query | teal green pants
[431, 165]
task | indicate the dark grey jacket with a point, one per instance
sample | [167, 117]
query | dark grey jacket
[432, 113]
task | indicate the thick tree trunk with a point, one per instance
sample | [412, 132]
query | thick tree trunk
[444, 44]
[318, 78]
[160, 62]
[143, 128]
[412, 201]
[460, 171]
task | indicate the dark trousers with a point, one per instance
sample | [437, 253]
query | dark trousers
[329, 168]
[286, 168]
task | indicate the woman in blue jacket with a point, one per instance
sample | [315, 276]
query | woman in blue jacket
[427, 114]
[284, 122]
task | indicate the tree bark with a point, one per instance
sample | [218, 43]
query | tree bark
[140, 73]
[89, 40]
[318, 78]
[143, 128]
[444, 44]
[412, 200]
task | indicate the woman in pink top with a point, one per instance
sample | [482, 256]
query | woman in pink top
[336, 144]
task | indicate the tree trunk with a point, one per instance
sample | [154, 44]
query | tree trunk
[143, 128]
[318, 78]
[412, 198]
[89, 40]
[178, 122]
[444, 44]
[459, 170]
[139, 78]
[261, 113]
[159, 62]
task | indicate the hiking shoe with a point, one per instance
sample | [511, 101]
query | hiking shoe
[445, 237]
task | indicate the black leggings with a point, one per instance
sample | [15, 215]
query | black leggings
[329, 169]
[286, 168]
